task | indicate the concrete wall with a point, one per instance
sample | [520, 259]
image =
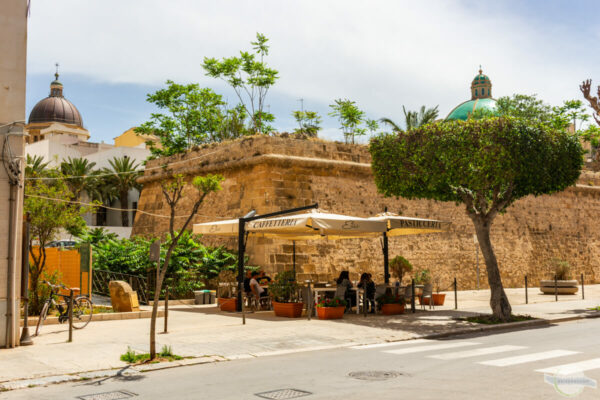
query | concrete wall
[13, 47]
[269, 174]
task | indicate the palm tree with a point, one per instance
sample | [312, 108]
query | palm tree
[35, 166]
[414, 119]
[79, 173]
[124, 175]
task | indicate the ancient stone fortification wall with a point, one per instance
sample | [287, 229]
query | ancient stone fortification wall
[270, 174]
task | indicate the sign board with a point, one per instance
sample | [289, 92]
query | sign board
[155, 251]
[85, 253]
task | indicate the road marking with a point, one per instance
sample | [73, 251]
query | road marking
[477, 352]
[567, 369]
[432, 347]
[505, 362]
[389, 344]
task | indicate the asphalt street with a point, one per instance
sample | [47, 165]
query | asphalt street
[542, 363]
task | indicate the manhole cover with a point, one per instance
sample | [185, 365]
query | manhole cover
[283, 394]
[117, 395]
[374, 375]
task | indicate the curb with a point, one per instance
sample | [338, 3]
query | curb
[99, 317]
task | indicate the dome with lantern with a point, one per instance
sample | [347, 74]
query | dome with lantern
[481, 99]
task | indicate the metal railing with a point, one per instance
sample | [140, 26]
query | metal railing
[101, 279]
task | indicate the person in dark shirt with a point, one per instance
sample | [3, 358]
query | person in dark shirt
[263, 279]
[247, 288]
[367, 284]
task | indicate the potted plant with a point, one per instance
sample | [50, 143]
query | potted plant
[284, 292]
[226, 300]
[331, 308]
[399, 266]
[390, 304]
[563, 283]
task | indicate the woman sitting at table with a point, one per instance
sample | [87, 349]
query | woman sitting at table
[343, 288]
[367, 284]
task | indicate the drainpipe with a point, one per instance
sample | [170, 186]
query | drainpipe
[10, 308]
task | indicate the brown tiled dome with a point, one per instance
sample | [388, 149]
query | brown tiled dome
[55, 108]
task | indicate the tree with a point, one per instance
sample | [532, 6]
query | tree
[350, 118]
[47, 204]
[250, 78]
[485, 164]
[35, 167]
[594, 101]
[413, 119]
[123, 177]
[173, 193]
[80, 176]
[193, 116]
[309, 123]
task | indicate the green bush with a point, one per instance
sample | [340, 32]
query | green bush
[192, 266]
[284, 289]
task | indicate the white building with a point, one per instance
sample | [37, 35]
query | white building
[56, 132]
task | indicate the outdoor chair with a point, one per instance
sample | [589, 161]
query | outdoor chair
[379, 291]
[408, 294]
[427, 295]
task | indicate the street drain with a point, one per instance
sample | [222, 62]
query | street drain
[374, 375]
[283, 394]
[116, 395]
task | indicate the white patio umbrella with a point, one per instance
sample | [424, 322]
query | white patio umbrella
[313, 224]
[398, 225]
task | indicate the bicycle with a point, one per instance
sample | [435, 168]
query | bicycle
[82, 308]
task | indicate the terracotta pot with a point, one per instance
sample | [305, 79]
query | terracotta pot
[289, 310]
[392, 309]
[227, 304]
[438, 299]
[331, 312]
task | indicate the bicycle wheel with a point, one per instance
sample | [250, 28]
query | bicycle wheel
[82, 312]
[42, 317]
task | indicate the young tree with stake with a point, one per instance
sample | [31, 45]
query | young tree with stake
[173, 193]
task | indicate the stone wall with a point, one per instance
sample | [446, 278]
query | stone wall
[270, 174]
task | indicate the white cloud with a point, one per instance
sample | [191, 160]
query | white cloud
[383, 54]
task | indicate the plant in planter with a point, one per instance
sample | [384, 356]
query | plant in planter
[284, 292]
[226, 300]
[399, 266]
[563, 283]
[389, 304]
[422, 277]
[331, 308]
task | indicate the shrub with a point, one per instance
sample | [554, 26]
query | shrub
[562, 270]
[422, 277]
[284, 288]
[399, 266]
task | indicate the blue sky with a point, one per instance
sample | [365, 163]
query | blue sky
[382, 54]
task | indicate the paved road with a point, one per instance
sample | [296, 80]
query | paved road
[494, 366]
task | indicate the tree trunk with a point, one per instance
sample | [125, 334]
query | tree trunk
[498, 302]
[162, 272]
[124, 199]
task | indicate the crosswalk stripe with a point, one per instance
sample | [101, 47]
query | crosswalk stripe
[389, 344]
[567, 369]
[545, 355]
[476, 352]
[441, 346]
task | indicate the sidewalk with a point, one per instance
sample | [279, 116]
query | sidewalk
[203, 331]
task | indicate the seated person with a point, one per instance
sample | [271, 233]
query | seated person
[367, 284]
[247, 289]
[255, 287]
[343, 288]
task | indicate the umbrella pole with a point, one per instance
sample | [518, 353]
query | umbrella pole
[386, 259]
[294, 256]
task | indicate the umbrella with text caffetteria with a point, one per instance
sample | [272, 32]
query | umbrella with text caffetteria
[305, 226]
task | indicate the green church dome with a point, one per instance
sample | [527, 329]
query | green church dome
[481, 99]
[463, 110]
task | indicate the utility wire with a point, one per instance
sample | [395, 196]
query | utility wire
[118, 209]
